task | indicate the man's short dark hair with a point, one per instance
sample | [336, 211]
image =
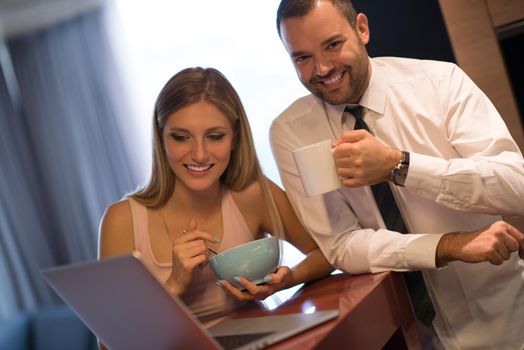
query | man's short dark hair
[299, 8]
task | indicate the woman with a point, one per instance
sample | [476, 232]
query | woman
[206, 190]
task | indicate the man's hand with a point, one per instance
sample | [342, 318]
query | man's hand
[362, 160]
[494, 243]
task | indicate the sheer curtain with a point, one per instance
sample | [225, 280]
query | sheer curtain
[63, 155]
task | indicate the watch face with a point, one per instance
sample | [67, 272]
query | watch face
[400, 174]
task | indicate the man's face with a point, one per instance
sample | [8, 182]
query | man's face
[328, 54]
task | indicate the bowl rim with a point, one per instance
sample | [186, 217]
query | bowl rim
[242, 245]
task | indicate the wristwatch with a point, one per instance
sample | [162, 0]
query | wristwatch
[399, 173]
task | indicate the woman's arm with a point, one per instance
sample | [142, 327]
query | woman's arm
[314, 265]
[115, 235]
[116, 231]
[256, 211]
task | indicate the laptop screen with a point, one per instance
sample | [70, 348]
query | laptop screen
[126, 307]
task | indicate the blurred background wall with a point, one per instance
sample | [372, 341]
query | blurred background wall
[78, 81]
[63, 154]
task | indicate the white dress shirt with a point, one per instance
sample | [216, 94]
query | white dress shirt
[465, 170]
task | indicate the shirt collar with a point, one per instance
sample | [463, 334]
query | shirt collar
[374, 97]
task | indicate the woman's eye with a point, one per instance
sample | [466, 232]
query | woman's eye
[216, 137]
[179, 138]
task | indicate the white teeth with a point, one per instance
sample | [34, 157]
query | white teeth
[198, 168]
[334, 79]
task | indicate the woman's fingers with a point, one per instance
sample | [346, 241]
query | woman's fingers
[231, 289]
[251, 291]
[190, 263]
[190, 249]
[252, 288]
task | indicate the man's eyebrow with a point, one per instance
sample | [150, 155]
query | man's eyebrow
[332, 38]
[325, 42]
[298, 54]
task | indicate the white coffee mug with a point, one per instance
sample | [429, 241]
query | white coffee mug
[316, 168]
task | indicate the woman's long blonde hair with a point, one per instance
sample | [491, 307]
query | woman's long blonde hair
[189, 86]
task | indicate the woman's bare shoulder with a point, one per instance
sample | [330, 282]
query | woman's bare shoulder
[117, 213]
[116, 229]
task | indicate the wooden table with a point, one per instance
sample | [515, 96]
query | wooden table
[375, 313]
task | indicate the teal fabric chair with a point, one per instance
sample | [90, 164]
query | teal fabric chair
[50, 328]
[14, 332]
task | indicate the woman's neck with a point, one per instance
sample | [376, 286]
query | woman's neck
[198, 204]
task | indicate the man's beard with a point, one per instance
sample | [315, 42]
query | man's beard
[352, 92]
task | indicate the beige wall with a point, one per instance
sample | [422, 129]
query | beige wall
[471, 26]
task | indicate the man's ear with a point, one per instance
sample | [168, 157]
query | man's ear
[362, 28]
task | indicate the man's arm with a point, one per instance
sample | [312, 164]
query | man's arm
[333, 224]
[494, 243]
[485, 171]
[469, 163]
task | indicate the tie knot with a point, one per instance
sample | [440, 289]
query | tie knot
[355, 111]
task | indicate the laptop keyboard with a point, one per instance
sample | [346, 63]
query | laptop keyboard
[229, 342]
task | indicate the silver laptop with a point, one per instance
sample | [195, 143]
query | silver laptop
[124, 305]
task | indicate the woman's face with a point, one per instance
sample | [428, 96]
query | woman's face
[198, 141]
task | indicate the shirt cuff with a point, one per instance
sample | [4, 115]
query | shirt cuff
[420, 253]
[425, 172]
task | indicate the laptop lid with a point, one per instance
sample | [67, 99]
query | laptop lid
[126, 307]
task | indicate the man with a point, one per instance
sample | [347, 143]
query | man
[449, 159]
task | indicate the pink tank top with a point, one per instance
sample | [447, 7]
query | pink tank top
[205, 299]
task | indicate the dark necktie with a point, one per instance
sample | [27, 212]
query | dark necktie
[418, 293]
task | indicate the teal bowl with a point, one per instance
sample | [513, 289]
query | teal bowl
[252, 260]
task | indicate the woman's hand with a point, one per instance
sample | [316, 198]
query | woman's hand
[279, 280]
[188, 252]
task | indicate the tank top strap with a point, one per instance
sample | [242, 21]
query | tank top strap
[140, 227]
